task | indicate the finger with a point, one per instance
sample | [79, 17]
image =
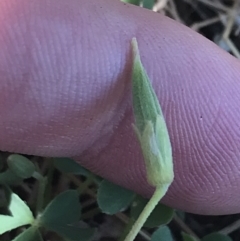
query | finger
[65, 91]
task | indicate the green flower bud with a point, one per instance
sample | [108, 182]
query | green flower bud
[150, 126]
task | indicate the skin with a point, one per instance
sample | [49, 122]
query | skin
[65, 91]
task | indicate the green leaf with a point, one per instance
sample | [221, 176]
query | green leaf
[148, 4]
[75, 233]
[62, 215]
[160, 215]
[21, 166]
[21, 215]
[216, 237]
[162, 234]
[68, 165]
[135, 2]
[9, 178]
[113, 198]
[188, 237]
[63, 209]
[30, 234]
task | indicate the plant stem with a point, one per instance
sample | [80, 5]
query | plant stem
[48, 188]
[156, 197]
[41, 190]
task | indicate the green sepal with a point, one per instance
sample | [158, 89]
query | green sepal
[145, 103]
[150, 127]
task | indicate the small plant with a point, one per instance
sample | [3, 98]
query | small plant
[153, 137]
[62, 215]
[32, 208]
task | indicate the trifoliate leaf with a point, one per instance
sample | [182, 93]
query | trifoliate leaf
[62, 216]
[21, 215]
[113, 198]
[160, 215]
[63, 212]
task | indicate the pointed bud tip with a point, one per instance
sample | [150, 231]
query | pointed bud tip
[135, 50]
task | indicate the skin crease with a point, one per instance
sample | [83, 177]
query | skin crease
[65, 91]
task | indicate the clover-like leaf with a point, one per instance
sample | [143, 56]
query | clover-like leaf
[63, 209]
[160, 215]
[21, 215]
[113, 198]
[21, 166]
[62, 216]
[162, 234]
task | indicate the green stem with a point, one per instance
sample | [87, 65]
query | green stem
[48, 188]
[41, 190]
[157, 196]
